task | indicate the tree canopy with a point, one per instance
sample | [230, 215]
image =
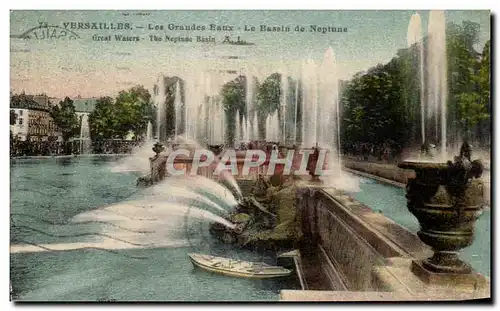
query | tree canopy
[115, 118]
[65, 118]
[13, 117]
[383, 103]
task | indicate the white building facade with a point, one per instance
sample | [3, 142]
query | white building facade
[21, 127]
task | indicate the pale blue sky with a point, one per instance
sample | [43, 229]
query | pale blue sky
[88, 68]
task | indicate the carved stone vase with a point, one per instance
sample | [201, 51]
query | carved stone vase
[447, 199]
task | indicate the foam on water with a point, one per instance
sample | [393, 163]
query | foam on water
[137, 161]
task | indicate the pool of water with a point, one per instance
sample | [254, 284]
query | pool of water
[391, 202]
[47, 193]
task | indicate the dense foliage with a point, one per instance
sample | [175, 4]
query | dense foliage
[234, 102]
[382, 105]
[65, 118]
[115, 118]
[13, 117]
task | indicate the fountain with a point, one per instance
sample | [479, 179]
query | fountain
[160, 98]
[84, 135]
[447, 199]
[296, 110]
[284, 106]
[317, 118]
[249, 98]
[415, 37]
[178, 106]
[237, 136]
[159, 216]
[436, 76]
[255, 128]
[149, 132]
[328, 111]
[433, 79]
[320, 111]
[273, 128]
[309, 104]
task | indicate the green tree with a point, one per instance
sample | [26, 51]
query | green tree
[268, 98]
[13, 117]
[268, 101]
[134, 110]
[233, 96]
[463, 65]
[382, 104]
[65, 118]
[103, 121]
[484, 128]
[471, 110]
[484, 75]
[168, 127]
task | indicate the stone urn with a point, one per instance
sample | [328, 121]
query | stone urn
[447, 199]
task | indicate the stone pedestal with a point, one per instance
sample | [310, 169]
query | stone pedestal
[471, 281]
[398, 278]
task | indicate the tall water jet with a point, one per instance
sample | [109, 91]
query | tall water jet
[84, 134]
[149, 132]
[211, 120]
[268, 128]
[309, 103]
[328, 125]
[284, 106]
[275, 124]
[195, 97]
[273, 128]
[237, 136]
[437, 93]
[414, 36]
[255, 128]
[161, 113]
[295, 119]
[245, 129]
[220, 122]
[249, 89]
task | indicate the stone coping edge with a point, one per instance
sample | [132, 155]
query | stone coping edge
[351, 296]
[375, 177]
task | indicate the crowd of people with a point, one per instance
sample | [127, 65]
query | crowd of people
[362, 151]
[53, 147]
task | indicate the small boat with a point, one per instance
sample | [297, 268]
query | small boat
[232, 267]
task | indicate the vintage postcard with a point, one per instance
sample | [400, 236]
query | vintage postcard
[326, 155]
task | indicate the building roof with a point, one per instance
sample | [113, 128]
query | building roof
[23, 101]
[42, 100]
[84, 104]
